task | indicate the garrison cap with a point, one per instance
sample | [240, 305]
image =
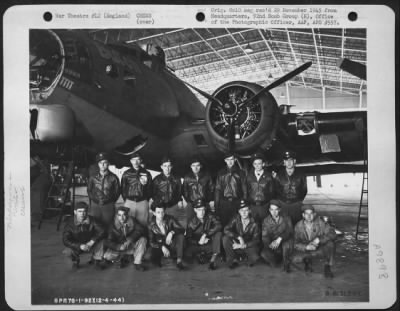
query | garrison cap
[242, 204]
[307, 207]
[81, 205]
[289, 155]
[257, 156]
[229, 154]
[102, 156]
[275, 202]
[165, 159]
[123, 208]
[135, 155]
[195, 160]
[199, 203]
[158, 205]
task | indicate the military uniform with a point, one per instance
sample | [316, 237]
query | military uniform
[103, 191]
[230, 188]
[158, 234]
[273, 229]
[78, 232]
[304, 235]
[250, 235]
[131, 233]
[196, 228]
[136, 195]
[197, 187]
[260, 190]
[168, 191]
[291, 191]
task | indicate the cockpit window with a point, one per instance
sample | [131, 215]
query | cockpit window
[78, 60]
[46, 63]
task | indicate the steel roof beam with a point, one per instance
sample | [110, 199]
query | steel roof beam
[216, 52]
[294, 56]
[210, 52]
[259, 41]
[342, 55]
[361, 85]
[206, 85]
[271, 51]
[260, 52]
[322, 46]
[318, 62]
[216, 37]
[309, 33]
[155, 35]
[255, 65]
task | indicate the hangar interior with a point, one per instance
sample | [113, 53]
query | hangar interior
[210, 57]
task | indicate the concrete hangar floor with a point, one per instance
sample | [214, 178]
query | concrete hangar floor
[53, 278]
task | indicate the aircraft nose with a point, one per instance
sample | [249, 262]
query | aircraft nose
[46, 63]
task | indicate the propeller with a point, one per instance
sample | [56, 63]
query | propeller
[231, 135]
[277, 82]
[232, 128]
[205, 94]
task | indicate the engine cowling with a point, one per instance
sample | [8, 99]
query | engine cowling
[255, 124]
[51, 123]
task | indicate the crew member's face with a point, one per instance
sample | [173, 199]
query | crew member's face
[196, 167]
[308, 215]
[80, 214]
[230, 161]
[200, 212]
[122, 217]
[289, 163]
[244, 212]
[159, 213]
[258, 164]
[274, 210]
[166, 168]
[136, 162]
[103, 165]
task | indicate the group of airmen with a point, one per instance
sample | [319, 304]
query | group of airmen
[254, 217]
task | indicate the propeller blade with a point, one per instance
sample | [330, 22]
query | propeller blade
[279, 81]
[206, 95]
[356, 69]
[231, 136]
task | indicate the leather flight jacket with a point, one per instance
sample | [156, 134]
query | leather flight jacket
[271, 229]
[250, 235]
[290, 189]
[196, 228]
[198, 188]
[103, 189]
[76, 233]
[119, 233]
[260, 191]
[156, 237]
[167, 190]
[320, 229]
[132, 188]
[230, 184]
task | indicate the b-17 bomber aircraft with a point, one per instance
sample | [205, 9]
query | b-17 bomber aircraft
[93, 97]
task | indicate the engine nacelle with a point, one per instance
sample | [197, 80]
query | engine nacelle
[51, 123]
[255, 124]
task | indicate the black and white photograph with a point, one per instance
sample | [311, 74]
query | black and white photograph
[207, 166]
